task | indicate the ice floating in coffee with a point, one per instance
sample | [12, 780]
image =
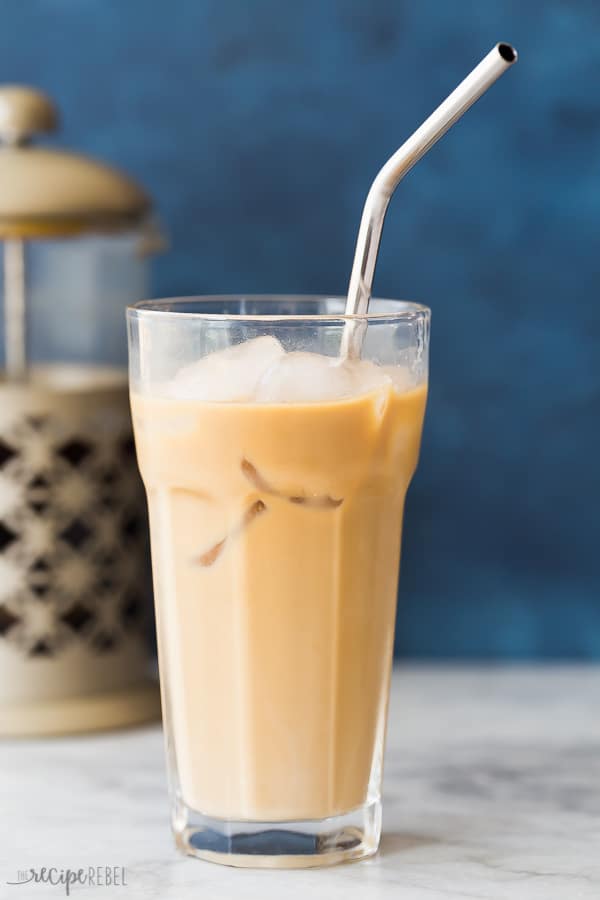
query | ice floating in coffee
[318, 501]
[261, 371]
[210, 556]
[230, 375]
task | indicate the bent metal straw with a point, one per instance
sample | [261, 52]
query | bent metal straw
[491, 67]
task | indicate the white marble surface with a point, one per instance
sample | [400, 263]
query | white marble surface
[492, 790]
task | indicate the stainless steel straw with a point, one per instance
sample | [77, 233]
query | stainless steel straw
[491, 67]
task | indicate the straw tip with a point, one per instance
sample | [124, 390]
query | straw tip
[507, 52]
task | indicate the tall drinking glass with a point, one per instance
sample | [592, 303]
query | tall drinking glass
[276, 475]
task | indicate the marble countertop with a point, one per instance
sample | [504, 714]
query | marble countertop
[492, 790]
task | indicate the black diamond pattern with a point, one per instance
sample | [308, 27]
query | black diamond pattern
[7, 536]
[39, 580]
[6, 453]
[107, 559]
[7, 620]
[109, 479]
[128, 448]
[76, 534]
[72, 619]
[109, 476]
[131, 609]
[77, 617]
[103, 641]
[75, 451]
[107, 583]
[38, 493]
[36, 422]
[131, 527]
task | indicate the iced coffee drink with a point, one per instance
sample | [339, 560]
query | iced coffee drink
[276, 480]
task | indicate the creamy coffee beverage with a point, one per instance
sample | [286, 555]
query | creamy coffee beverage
[276, 483]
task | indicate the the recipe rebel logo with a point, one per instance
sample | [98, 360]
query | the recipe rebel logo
[88, 876]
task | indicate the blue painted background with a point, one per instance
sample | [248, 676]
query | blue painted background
[257, 125]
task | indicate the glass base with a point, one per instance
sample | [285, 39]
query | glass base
[279, 845]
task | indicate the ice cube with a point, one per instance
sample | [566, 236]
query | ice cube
[402, 378]
[226, 375]
[311, 377]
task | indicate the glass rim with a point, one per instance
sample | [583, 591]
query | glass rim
[398, 309]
